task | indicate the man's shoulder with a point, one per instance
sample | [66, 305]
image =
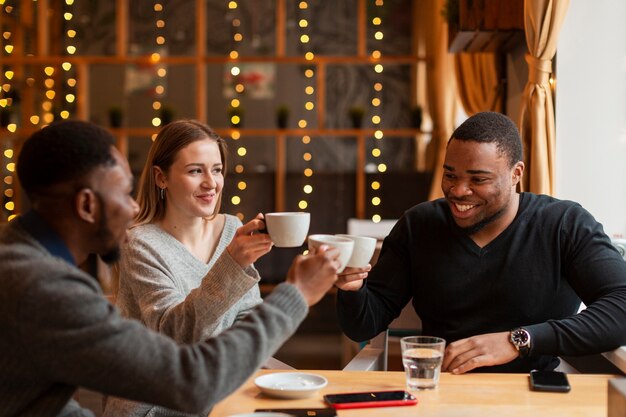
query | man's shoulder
[24, 262]
[547, 204]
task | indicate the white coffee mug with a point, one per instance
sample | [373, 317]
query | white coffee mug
[287, 229]
[363, 251]
[344, 245]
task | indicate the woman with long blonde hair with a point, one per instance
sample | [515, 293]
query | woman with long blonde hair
[186, 269]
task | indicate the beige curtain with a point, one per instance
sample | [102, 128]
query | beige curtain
[441, 89]
[542, 24]
[478, 83]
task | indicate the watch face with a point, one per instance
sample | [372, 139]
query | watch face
[519, 337]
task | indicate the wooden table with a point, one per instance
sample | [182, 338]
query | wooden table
[469, 395]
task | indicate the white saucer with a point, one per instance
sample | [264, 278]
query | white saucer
[290, 384]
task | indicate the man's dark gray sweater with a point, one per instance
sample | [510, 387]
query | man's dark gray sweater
[58, 332]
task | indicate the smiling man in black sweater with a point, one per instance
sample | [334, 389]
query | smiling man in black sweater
[499, 274]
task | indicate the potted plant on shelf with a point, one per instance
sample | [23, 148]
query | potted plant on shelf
[235, 116]
[116, 116]
[166, 115]
[282, 116]
[356, 114]
[416, 116]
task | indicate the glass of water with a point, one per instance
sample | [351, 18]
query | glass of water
[422, 357]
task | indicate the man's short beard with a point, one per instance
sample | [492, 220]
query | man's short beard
[477, 227]
[103, 233]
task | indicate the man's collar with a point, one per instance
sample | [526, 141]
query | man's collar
[46, 236]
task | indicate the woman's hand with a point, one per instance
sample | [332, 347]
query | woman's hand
[247, 245]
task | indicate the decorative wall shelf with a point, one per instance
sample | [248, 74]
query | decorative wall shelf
[487, 26]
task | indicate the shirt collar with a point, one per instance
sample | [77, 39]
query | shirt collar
[46, 236]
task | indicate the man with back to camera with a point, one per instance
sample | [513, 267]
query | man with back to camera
[59, 332]
[498, 274]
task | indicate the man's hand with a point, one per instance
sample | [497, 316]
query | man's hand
[351, 279]
[315, 273]
[476, 351]
[248, 246]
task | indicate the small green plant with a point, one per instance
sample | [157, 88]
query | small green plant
[356, 114]
[116, 116]
[282, 116]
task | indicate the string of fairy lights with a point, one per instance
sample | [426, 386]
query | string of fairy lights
[70, 88]
[59, 100]
[376, 185]
[6, 107]
[309, 105]
[235, 113]
[161, 71]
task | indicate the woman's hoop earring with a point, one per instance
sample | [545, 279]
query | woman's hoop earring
[162, 193]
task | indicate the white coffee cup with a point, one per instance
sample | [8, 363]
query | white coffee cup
[287, 229]
[344, 245]
[363, 250]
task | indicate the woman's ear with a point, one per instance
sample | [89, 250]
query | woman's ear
[86, 205]
[159, 177]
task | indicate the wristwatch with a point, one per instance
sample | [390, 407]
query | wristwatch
[521, 340]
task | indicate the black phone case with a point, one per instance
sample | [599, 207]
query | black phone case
[549, 381]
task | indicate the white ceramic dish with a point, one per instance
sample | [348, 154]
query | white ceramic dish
[290, 384]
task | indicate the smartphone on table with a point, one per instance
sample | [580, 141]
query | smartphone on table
[370, 399]
[552, 381]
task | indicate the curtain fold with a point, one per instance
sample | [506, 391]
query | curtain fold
[542, 23]
[441, 90]
[478, 82]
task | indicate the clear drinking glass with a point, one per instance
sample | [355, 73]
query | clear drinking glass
[422, 357]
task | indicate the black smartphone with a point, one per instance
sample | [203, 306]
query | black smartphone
[553, 381]
[370, 399]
